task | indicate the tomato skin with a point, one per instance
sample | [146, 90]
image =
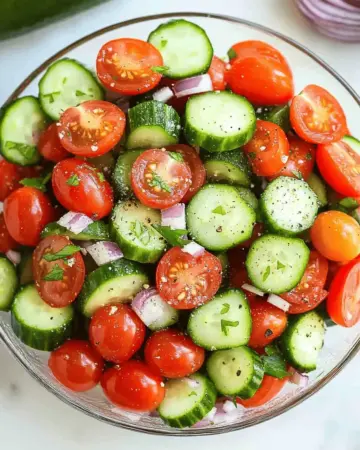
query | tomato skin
[217, 74]
[133, 386]
[201, 276]
[269, 388]
[76, 365]
[62, 292]
[26, 212]
[252, 47]
[92, 195]
[116, 332]
[267, 149]
[49, 145]
[336, 236]
[258, 231]
[172, 354]
[343, 302]
[6, 241]
[11, 175]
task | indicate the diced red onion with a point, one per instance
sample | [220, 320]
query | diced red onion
[1, 207]
[123, 103]
[279, 302]
[174, 217]
[14, 257]
[104, 252]
[223, 412]
[253, 289]
[193, 85]
[75, 222]
[299, 379]
[193, 249]
[163, 95]
[1, 157]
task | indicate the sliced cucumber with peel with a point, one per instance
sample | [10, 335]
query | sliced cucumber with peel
[227, 167]
[122, 174]
[319, 187]
[8, 283]
[96, 231]
[280, 115]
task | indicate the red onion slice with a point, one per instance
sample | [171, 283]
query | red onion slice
[279, 302]
[1, 207]
[163, 95]
[75, 222]
[299, 379]
[252, 289]
[174, 217]
[193, 85]
[223, 413]
[104, 252]
[14, 257]
[193, 249]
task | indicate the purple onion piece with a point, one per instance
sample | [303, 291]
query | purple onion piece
[193, 249]
[104, 252]
[163, 95]
[75, 222]
[193, 85]
[14, 257]
[299, 379]
[174, 217]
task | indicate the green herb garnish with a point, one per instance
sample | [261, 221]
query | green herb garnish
[141, 231]
[64, 253]
[266, 273]
[37, 183]
[274, 362]
[176, 156]
[160, 69]
[228, 323]
[280, 265]
[231, 53]
[297, 174]
[219, 210]
[225, 308]
[174, 237]
[74, 180]
[157, 182]
[56, 274]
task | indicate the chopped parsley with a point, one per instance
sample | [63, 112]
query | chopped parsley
[74, 180]
[274, 362]
[297, 174]
[174, 237]
[225, 324]
[160, 69]
[225, 308]
[64, 253]
[176, 156]
[56, 274]
[157, 182]
[141, 231]
[38, 183]
[280, 265]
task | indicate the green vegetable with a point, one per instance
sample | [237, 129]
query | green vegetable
[274, 362]
[173, 237]
[64, 253]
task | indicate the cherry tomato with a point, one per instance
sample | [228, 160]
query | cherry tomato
[268, 149]
[6, 241]
[317, 116]
[172, 354]
[333, 269]
[198, 172]
[269, 388]
[125, 66]
[217, 74]
[11, 175]
[26, 212]
[49, 144]
[91, 128]
[309, 293]
[116, 332]
[80, 187]
[343, 302]
[339, 165]
[64, 289]
[133, 386]
[185, 281]
[336, 236]
[301, 159]
[160, 179]
[249, 48]
[268, 323]
[76, 365]
[258, 231]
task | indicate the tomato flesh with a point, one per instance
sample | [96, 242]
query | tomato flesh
[269, 388]
[217, 74]
[49, 144]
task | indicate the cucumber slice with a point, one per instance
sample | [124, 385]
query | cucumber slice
[122, 172]
[130, 227]
[219, 121]
[116, 282]
[318, 186]
[353, 143]
[236, 372]
[224, 260]
[303, 339]
[184, 46]
[223, 323]
[249, 197]
[187, 400]
[228, 167]
[153, 125]
[289, 205]
[96, 231]
[20, 127]
[105, 163]
[36, 323]
[276, 264]
[218, 218]
[8, 283]
[67, 83]
[25, 268]
[280, 115]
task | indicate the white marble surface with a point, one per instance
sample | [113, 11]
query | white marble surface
[32, 418]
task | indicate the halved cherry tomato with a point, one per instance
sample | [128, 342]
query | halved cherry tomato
[251, 47]
[91, 128]
[26, 212]
[269, 388]
[49, 144]
[76, 365]
[159, 178]
[336, 236]
[63, 289]
[133, 386]
[125, 66]
[198, 172]
[339, 165]
[217, 74]
[80, 187]
[301, 159]
[185, 281]
[6, 241]
[309, 293]
[317, 116]
[11, 175]
[172, 354]
[268, 149]
[343, 303]
[116, 332]
[237, 273]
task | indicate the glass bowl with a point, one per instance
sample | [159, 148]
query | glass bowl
[341, 344]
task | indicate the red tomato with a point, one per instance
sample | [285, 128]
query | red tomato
[133, 386]
[268, 149]
[76, 365]
[80, 187]
[217, 74]
[343, 302]
[198, 172]
[301, 159]
[258, 231]
[26, 211]
[91, 128]
[237, 273]
[49, 144]
[11, 175]
[269, 388]
[339, 165]
[63, 290]
[172, 354]
[268, 323]
[317, 116]
[249, 48]
[6, 241]
[160, 179]
[185, 281]
[125, 66]
[116, 332]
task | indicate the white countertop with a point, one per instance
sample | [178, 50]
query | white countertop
[32, 418]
